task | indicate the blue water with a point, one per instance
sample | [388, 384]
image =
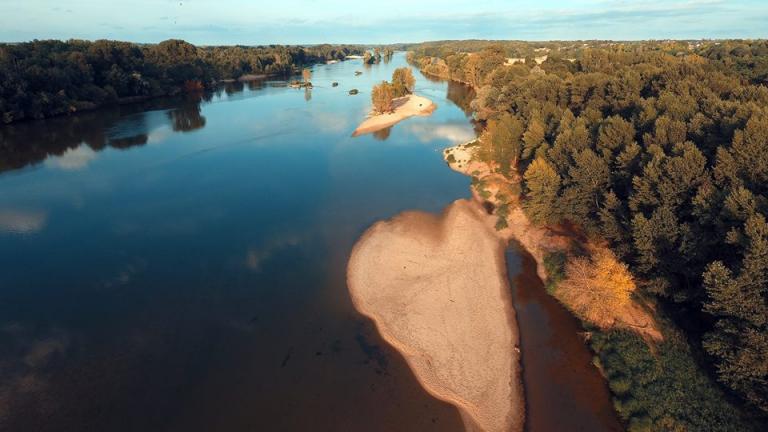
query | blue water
[180, 264]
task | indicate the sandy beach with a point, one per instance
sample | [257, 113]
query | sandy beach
[437, 289]
[404, 107]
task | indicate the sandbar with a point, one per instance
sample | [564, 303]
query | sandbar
[404, 107]
[437, 289]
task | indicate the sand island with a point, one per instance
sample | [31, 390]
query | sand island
[403, 108]
[394, 102]
[437, 289]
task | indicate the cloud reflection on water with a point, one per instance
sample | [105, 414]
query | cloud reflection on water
[73, 159]
[17, 221]
[455, 132]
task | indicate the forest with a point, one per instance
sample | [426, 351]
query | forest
[658, 150]
[47, 78]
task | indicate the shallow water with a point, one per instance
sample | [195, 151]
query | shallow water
[563, 390]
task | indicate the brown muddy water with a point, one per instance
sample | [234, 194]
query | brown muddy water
[563, 390]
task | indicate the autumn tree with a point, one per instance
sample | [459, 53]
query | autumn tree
[403, 81]
[596, 288]
[382, 96]
[306, 74]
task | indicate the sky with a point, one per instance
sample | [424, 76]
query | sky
[254, 22]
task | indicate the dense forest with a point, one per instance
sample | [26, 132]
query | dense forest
[47, 78]
[659, 150]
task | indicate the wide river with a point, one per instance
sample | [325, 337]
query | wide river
[179, 265]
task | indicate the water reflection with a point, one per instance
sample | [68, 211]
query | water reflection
[22, 221]
[75, 140]
[73, 159]
[382, 134]
[453, 132]
[307, 94]
[461, 95]
[209, 271]
[186, 118]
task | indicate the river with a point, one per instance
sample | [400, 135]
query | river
[179, 264]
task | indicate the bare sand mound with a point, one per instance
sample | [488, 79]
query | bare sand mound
[437, 289]
[404, 107]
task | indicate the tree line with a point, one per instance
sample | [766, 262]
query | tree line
[658, 148]
[41, 79]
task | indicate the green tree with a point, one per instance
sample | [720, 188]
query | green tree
[739, 303]
[543, 187]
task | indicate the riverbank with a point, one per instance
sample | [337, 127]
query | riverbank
[404, 107]
[437, 289]
[540, 241]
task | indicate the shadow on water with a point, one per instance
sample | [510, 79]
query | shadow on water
[563, 390]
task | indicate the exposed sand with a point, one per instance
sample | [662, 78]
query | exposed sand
[538, 240]
[437, 289]
[404, 107]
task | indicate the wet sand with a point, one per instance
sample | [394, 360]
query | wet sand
[404, 107]
[437, 290]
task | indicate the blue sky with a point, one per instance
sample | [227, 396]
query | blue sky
[363, 21]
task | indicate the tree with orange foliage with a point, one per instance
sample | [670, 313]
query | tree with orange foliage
[382, 96]
[597, 288]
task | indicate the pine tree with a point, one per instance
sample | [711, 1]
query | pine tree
[543, 185]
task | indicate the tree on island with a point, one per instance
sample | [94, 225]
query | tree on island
[306, 74]
[382, 96]
[403, 81]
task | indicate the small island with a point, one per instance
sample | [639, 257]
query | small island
[394, 102]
